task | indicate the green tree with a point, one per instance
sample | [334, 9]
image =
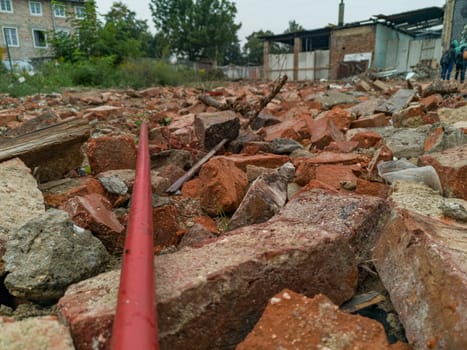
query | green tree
[294, 27]
[87, 29]
[196, 28]
[123, 35]
[253, 48]
[281, 48]
[81, 42]
[233, 54]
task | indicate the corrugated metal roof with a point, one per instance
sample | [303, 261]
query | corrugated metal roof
[416, 20]
[414, 23]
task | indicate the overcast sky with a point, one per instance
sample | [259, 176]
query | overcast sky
[275, 15]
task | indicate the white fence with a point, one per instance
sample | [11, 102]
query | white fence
[242, 72]
[311, 65]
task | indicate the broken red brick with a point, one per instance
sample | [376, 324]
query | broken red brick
[371, 188]
[111, 152]
[372, 121]
[367, 139]
[312, 323]
[340, 117]
[94, 212]
[57, 192]
[165, 225]
[334, 175]
[432, 102]
[223, 186]
[342, 146]
[207, 223]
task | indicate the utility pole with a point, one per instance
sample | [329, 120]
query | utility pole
[447, 23]
[340, 21]
[7, 49]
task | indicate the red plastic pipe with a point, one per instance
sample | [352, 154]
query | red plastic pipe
[135, 323]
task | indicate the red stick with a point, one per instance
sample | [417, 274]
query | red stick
[135, 323]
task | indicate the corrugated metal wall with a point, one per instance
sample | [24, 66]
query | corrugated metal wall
[311, 65]
[393, 50]
[399, 51]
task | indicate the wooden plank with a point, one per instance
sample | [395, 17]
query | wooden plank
[362, 301]
[51, 151]
[68, 131]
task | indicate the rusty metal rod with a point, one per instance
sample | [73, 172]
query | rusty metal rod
[135, 323]
[177, 184]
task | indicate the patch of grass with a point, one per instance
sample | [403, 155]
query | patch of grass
[102, 72]
[98, 72]
[222, 219]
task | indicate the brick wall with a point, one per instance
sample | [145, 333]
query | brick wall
[25, 23]
[350, 41]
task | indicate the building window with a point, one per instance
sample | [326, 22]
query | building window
[79, 12]
[59, 11]
[10, 36]
[40, 38]
[6, 6]
[35, 8]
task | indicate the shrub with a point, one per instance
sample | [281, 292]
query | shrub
[97, 72]
[140, 73]
[54, 76]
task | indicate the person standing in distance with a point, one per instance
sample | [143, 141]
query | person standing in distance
[447, 62]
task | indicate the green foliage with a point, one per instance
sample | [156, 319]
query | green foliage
[96, 72]
[101, 72]
[139, 73]
[196, 29]
[47, 78]
[253, 48]
[294, 27]
[121, 36]
[81, 43]
[166, 121]
[65, 46]
[233, 54]
[138, 121]
[88, 29]
[222, 219]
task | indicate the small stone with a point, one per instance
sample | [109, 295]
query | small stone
[454, 210]
[114, 184]
[349, 185]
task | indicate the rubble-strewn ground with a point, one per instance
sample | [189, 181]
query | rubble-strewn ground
[299, 202]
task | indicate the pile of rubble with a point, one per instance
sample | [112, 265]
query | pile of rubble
[274, 241]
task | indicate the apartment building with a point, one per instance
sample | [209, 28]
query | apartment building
[26, 24]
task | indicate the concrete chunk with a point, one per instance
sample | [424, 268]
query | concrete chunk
[212, 295]
[49, 253]
[421, 262]
[212, 128]
[264, 198]
[34, 334]
[397, 102]
[18, 190]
